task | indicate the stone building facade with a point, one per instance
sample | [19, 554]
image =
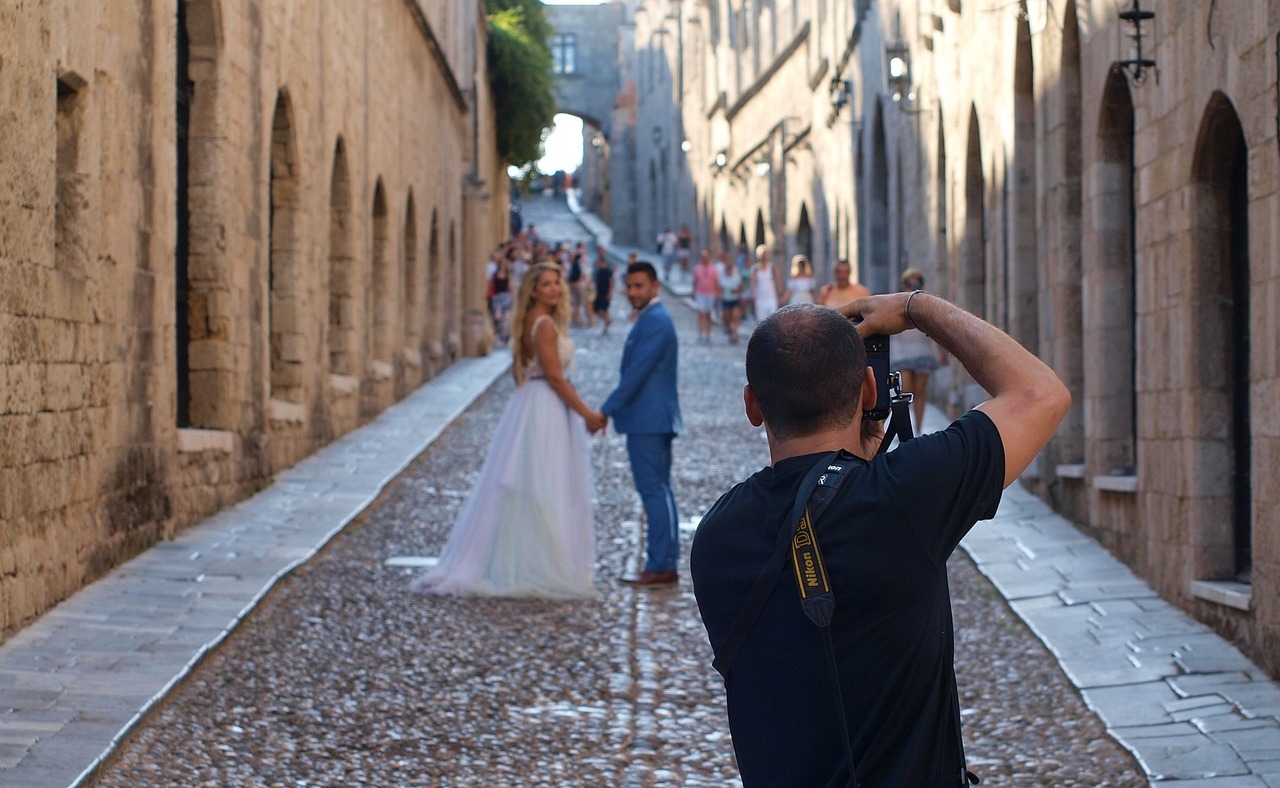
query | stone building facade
[230, 231]
[1113, 215]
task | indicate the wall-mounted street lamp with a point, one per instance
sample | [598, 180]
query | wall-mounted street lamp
[686, 146]
[840, 90]
[1137, 67]
[898, 58]
[722, 160]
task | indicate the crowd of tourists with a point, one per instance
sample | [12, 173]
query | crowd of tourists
[588, 279]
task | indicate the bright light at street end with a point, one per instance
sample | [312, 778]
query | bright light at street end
[562, 149]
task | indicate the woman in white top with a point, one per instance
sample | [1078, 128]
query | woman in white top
[730, 297]
[800, 289]
[766, 284]
[525, 530]
[914, 355]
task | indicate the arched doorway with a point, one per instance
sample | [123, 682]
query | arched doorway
[284, 307]
[1064, 263]
[971, 282]
[1023, 311]
[873, 271]
[1220, 382]
[804, 234]
[344, 310]
[1109, 322]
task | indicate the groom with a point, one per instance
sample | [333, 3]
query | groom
[646, 409]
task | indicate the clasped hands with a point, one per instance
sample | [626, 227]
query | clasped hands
[596, 421]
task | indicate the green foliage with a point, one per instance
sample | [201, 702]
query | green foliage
[520, 77]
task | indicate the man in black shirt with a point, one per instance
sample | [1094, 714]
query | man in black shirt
[885, 539]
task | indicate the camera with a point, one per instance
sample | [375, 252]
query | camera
[877, 346]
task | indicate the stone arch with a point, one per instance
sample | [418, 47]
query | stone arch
[742, 235]
[411, 295]
[1064, 267]
[435, 293]
[1023, 286]
[655, 213]
[1219, 387]
[344, 310]
[942, 257]
[1109, 290]
[804, 234]
[972, 269]
[453, 306]
[725, 240]
[205, 375]
[873, 271]
[286, 337]
[383, 307]
[762, 238]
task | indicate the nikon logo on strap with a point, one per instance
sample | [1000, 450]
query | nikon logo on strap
[806, 556]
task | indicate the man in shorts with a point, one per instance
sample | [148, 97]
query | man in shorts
[706, 289]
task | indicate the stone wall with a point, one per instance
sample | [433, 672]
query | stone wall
[1119, 226]
[227, 236]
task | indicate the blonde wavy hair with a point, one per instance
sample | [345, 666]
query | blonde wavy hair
[522, 350]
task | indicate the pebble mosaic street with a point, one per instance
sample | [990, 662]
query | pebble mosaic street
[342, 677]
[276, 644]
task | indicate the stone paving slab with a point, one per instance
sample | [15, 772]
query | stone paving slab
[1184, 701]
[75, 682]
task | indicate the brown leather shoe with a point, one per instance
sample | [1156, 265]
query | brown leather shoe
[647, 579]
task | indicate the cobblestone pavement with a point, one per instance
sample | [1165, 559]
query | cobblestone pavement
[342, 677]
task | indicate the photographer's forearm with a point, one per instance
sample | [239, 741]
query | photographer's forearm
[1027, 399]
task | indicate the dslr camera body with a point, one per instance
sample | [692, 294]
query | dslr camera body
[877, 346]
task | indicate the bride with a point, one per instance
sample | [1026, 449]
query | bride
[525, 529]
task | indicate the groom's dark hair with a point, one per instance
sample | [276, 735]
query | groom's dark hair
[643, 268]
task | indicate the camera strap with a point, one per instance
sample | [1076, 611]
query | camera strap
[799, 543]
[899, 425]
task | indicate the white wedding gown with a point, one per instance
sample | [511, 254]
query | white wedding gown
[525, 530]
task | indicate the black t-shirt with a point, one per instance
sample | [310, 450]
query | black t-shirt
[885, 541]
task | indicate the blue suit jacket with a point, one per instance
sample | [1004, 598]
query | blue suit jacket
[645, 401]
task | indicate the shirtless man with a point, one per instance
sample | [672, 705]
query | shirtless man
[844, 290]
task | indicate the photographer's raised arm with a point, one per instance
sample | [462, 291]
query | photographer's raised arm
[1028, 401]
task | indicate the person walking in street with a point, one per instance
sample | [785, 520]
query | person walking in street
[646, 408]
[501, 300]
[745, 265]
[843, 290]
[684, 249]
[730, 297]
[575, 276]
[602, 275]
[874, 695]
[667, 242]
[915, 356]
[800, 288]
[766, 284]
[706, 289]
[525, 529]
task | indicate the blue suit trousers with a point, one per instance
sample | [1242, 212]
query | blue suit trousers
[650, 456]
